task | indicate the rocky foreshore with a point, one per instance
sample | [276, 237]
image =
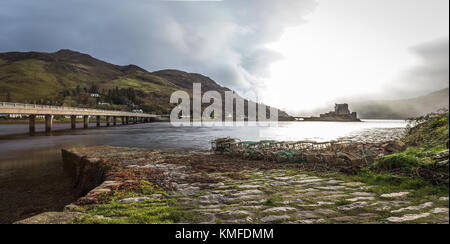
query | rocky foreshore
[132, 185]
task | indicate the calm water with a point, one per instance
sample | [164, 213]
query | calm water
[31, 171]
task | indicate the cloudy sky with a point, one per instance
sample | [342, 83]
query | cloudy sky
[294, 54]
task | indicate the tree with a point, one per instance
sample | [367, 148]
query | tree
[93, 89]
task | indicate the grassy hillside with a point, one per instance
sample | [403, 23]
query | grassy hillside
[69, 78]
[426, 155]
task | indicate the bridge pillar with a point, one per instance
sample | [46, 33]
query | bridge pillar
[98, 121]
[114, 120]
[135, 120]
[127, 120]
[48, 123]
[107, 120]
[123, 120]
[85, 121]
[32, 124]
[73, 122]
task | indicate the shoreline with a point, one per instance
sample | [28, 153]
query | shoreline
[194, 187]
[25, 121]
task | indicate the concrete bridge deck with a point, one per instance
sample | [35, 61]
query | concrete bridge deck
[32, 110]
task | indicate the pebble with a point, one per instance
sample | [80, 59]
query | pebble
[279, 209]
[273, 218]
[136, 199]
[422, 206]
[352, 184]
[393, 195]
[306, 181]
[408, 217]
[443, 199]
[233, 213]
[439, 210]
[334, 181]
[353, 206]
[362, 194]
[248, 186]
[355, 199]
[330, 187]
[248, 192]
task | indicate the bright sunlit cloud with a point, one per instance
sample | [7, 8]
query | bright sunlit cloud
[350, 52]
[297, 55]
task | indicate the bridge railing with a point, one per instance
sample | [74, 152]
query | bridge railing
[23, 105]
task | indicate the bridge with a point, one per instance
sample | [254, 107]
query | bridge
[33, 110]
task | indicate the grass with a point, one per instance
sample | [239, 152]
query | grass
[429, 132]
[36, 80]
[398, 160]
[342, 202]
[274, 201]
[427, 137]
[164, 210]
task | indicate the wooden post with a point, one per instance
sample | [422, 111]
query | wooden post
[85, 121]
[73, 122]
[32, 124]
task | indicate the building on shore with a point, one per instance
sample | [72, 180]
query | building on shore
[341, 113]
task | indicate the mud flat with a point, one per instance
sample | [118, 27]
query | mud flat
[132, 185]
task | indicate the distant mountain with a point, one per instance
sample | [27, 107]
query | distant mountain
[392, 109]
[402, 109]
[186, 80]
[70, 78]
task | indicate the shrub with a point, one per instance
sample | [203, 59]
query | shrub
[396, 161]
[429, 131]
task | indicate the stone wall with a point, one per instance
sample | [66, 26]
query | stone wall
[86, 173]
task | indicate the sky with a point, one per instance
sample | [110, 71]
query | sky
[297, 55]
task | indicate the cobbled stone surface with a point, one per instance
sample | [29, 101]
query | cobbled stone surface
[283, 196]
[218, 192]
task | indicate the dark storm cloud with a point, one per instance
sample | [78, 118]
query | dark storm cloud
[224, 40]
[433, 72]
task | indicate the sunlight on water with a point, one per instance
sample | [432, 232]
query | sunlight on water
[34, 163]
[323, 131]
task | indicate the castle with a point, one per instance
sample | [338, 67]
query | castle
[341, 111]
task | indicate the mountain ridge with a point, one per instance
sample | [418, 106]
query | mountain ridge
[395, 108]
[403, 108]
[67, 77]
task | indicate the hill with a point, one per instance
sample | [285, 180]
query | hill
[402, 109]
[393, 109]
[70, 78]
